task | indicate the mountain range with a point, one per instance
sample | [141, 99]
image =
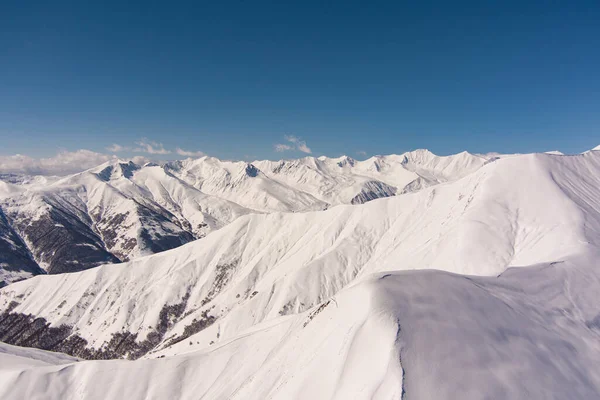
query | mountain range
[408, 276]
[119, 210]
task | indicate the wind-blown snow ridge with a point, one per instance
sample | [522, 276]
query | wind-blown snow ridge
[332, 304]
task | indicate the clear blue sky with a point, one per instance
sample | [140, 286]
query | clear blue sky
[232, 78]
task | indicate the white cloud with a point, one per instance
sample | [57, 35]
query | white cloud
[186, 153]
[304, 148]
[361, 153]
[64, 163]
[117, 148]
[140, 160]
[282, 147]
[150, 147]
[298, 144]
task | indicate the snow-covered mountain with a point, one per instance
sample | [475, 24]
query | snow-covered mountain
[340, 303]
[108, 214]
[119, 210]
[311, 183]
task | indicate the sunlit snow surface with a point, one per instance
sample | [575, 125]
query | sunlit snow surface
[336, 304]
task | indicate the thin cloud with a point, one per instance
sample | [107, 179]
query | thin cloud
[140, 160]
[186, 153]
[361, 153]
[279, 147]
[64, 163]
[291, 138]
[297, 144]
[150, 147]
[117, 148]
[304, 148]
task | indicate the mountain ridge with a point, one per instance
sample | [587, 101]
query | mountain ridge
[120, 210]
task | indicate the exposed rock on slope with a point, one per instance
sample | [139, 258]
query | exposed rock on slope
[16, 262]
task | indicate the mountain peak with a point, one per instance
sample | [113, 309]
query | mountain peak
[345, 161]
[251, 170]
[117, 169]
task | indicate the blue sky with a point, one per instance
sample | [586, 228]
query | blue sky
[232, 79]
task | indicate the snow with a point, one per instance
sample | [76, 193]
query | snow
[481, 286]
[432, 334]
[313, 183]
[117, 207]
[18, 357]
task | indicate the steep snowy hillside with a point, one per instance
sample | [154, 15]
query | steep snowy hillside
[334, 181]
[242, 183]
[12, 356]
[119, 210]
[16, 262]
[316, 183]
[57, 230]
[531, 333]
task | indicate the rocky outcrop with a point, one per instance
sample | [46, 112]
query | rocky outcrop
[16, 262]
[30, 331]
[373, 190]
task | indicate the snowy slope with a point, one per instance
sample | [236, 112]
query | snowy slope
[418, 335]
[15, 356]
[334, 181]
[242, 183]
[115, 212]
[311, 183]
[204, 213]
[344, 180]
